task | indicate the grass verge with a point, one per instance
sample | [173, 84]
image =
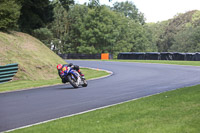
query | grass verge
[24, 84]
[36, 61]
[170, 112]
[189, 63]
[170, 62]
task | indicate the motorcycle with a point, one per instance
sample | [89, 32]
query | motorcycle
[74, 78]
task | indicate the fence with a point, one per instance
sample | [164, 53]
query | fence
[159, 56]
[7, 72]
[82, 56]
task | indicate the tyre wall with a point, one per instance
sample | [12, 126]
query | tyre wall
[159, 56]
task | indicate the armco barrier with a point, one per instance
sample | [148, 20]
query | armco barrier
[7, 72]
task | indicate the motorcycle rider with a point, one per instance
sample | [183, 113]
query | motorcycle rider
[63, 68]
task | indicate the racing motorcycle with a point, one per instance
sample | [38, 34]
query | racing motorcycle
[74, 78]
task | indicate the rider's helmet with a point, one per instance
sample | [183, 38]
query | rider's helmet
[59, 66]
[70, 64]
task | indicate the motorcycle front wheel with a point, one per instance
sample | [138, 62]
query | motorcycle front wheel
[72, 81]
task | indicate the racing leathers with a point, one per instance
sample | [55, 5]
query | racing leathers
[64, 69]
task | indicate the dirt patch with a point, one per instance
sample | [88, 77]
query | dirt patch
[22, 69]
[15, 78]
[38, 67]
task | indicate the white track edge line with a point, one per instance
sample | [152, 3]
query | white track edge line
[87, 111]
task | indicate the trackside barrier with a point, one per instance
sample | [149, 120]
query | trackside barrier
[80, 56]
[159, 56]
[7, 72]
[83, 56]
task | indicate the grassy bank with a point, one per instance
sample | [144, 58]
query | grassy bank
[24, 84]
[36, 61]
[170, 112]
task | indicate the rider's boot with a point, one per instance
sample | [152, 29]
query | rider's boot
[82, 75]
[64, 80]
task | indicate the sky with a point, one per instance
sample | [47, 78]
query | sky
[158, 10]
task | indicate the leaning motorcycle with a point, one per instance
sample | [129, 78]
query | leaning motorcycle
[74, 78]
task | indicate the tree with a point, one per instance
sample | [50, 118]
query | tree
[99, 29]
[95, 30]
[174, 26]
[35, 14]
[129, 10]
[66, 4]
[74, 40]
[59, 27]
[43, 34]
[93, 3]
[187, 40]
[9, 14]
[92, 30]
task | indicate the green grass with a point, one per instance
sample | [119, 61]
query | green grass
[171, 62]
[176, 111]
[189, 63]
[24, 84]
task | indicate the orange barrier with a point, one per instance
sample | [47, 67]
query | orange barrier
[105, 56]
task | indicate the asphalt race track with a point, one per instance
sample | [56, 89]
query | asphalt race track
[129, 81]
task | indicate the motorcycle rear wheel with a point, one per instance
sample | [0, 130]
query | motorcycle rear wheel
[84, 83]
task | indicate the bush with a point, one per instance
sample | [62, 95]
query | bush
[43, 34]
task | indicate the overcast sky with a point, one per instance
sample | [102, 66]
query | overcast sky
[158, 10]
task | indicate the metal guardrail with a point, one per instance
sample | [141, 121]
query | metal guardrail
[7, 72]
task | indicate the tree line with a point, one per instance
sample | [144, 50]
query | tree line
[92, 28]
[179, 34]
